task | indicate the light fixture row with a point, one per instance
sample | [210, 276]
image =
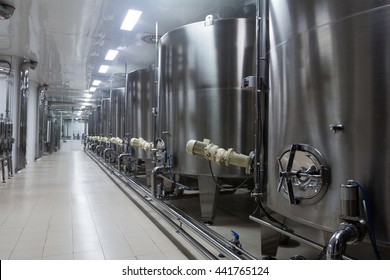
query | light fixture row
[128, 24]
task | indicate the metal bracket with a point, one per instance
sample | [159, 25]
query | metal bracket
[287, 174]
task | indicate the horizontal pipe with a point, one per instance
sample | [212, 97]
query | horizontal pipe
[213, 238]
[292, 235]
[206, 253]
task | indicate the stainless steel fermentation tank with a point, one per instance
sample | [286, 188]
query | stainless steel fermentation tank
[92, 123]
[140, 122]
[105, 117]
[201, 69]
[329, 104]
[117, 112]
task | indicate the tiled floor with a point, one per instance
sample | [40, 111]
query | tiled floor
[64, 207]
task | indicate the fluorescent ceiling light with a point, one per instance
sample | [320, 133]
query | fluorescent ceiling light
[92, 89]
[103, 69]
[130, 20]
[96, 82]
[111, 54]
[88, 95]
[82, 107]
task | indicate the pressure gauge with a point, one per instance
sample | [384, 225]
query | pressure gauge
[303, 174]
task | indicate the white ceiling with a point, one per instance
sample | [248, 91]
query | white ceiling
[69, 38]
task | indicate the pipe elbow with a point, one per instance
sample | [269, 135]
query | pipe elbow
[348, 233]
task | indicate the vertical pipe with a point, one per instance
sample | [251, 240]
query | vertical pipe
[61, 124]
[7, 110]
[157, 90]
[262, 74]
[124, 114]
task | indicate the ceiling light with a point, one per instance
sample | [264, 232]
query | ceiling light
[103, 69]
[130, 19]
[92, 89]
[96, 82]
[82, 107]
[111, 54]
[88, 95]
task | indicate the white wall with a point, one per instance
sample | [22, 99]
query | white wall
[77, 127]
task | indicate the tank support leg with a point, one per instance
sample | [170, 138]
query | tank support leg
[208, 195]
[269, 241]
[10, 172]
[3, 169]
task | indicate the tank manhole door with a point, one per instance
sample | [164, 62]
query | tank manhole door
[303, 174]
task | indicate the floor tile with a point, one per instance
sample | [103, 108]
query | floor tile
[94, 255]
[74, 212]
[26, 254]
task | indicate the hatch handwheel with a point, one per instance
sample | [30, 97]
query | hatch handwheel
[303, 174]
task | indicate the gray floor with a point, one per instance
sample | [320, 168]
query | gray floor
[64, 207]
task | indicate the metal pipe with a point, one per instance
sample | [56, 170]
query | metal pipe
[287, 233]
[139, 191]
[104, 153]
[98, 147]
[262, 74]
[348, 233]
[157, 170]
[352, 229]
[174, 182]
[156, 87]
[209, 235]
[213, 238]
[7, 110]
[119, 161]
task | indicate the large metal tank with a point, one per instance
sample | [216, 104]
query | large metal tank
[92, 123]
[330, 95]
[98, 120]
[140, 102]
[117, 112]
[105, 117]
[201, 69]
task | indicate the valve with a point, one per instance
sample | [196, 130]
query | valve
[236, 240]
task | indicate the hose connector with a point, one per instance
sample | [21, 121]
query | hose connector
[116, 141]
[141, 143]
[213, 152]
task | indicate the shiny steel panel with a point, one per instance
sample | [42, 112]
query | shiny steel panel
[201, 68]
[330, 67]
[105, 117]
[117, 112]
[140, 121]
[92, 123]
